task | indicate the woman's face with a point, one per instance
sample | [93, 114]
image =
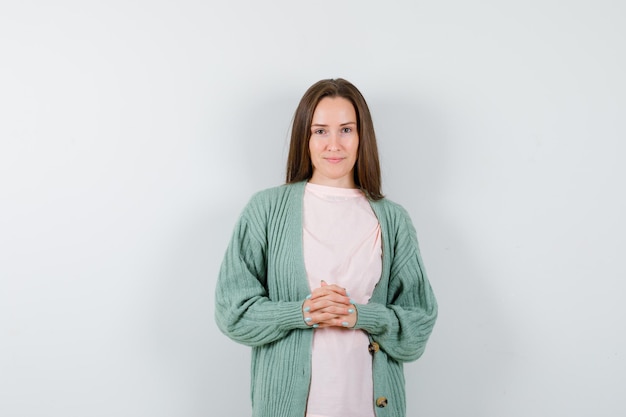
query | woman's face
[334, 143]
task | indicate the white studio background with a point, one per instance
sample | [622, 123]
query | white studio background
[133, 132]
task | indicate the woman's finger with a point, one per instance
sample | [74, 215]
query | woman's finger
[330, 295]
[327, 289]
[331, 320]
[338, 311]
[327, 302]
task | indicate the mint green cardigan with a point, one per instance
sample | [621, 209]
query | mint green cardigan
[262, 284]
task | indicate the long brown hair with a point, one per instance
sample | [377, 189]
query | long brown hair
[367, 166]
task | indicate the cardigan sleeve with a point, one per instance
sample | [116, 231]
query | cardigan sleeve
[403, 325]
[243, 310]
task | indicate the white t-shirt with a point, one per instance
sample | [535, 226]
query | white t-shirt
[342, 245]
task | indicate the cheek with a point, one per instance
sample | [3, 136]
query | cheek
[355, 148]
[313, 153]
[314, 148]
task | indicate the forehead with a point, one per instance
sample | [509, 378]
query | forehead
[331, 109]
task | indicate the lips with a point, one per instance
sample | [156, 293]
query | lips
[334, 160]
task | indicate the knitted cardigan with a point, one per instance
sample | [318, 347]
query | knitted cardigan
[262, 284]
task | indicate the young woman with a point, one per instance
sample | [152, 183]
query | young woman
[323, 277]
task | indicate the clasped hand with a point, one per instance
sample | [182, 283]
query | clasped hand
[329, 306]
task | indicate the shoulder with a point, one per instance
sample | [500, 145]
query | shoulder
[397, 228]
[265, 202]
[390, 212]
[274, 195]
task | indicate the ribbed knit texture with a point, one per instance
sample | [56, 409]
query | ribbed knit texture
[262, 284]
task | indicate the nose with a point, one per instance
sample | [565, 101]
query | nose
[333, 142]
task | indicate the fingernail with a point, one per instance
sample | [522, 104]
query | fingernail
[344, 324]
[308, 296]
[350, 310]
[307, 309]
[347, 294]
[315, 326]
[308, 319]
[352, 301]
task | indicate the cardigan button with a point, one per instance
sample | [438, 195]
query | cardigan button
[381, 402]
[373, 347]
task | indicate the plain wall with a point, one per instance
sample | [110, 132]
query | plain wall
[132, 133]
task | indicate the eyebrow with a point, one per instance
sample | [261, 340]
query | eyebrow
[343, 124]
